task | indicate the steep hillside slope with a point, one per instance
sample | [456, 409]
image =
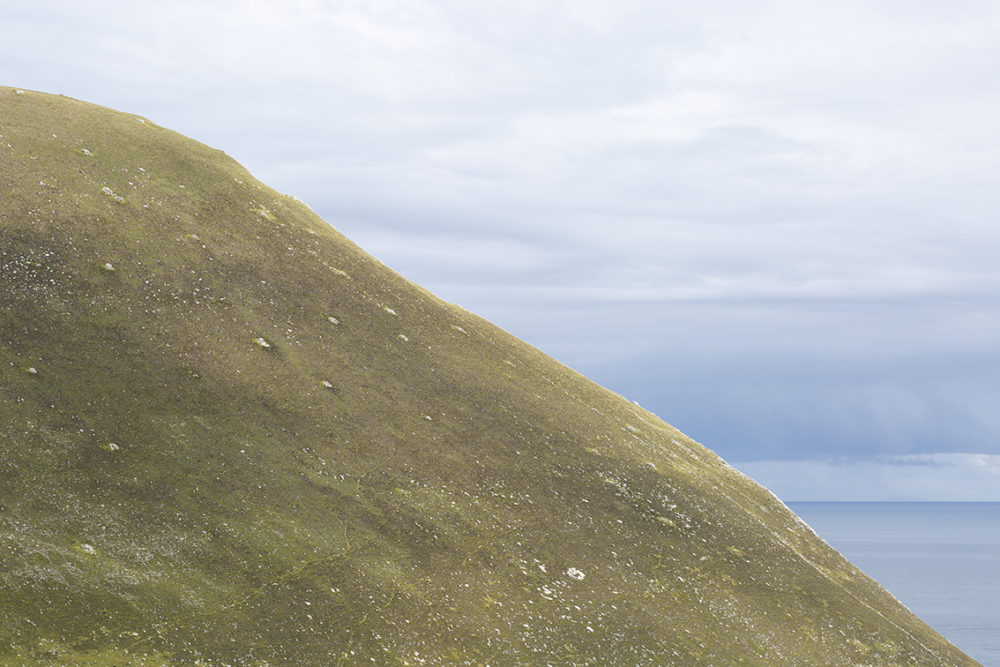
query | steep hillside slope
[229, 435]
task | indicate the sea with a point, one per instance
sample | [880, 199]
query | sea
[942, 560]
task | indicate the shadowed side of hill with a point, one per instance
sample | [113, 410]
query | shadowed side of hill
[227, 434]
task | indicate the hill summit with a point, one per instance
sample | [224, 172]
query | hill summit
[229, 436]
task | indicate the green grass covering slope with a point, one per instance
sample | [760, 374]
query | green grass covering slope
[228, 435]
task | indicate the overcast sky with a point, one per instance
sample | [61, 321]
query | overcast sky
[774, 224]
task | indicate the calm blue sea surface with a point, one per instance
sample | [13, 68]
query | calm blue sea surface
[942, 560]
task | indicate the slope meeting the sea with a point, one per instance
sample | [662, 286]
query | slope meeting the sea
[229, 436]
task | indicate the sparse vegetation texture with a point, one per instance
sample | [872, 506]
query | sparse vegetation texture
[229, 436]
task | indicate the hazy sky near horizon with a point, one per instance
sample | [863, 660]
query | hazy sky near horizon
[774, 224]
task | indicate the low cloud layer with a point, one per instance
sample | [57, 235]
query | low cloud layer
[939, 477]
[772, 225]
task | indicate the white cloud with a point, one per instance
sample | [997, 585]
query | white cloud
[937, 477]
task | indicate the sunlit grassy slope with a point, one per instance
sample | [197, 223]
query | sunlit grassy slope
[227, 434]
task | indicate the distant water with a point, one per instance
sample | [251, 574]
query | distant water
[942, 560]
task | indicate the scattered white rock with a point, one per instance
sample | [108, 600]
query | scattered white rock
[333, 320]
[113, 446]
[574, 573]
[262, 343]
[108, 266]
[33, 370]
[88, 549]
[403, 337]
[327, 384]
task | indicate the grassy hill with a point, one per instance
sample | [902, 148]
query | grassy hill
[228, 435]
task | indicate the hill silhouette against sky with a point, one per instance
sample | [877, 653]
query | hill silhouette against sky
[230, 435]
